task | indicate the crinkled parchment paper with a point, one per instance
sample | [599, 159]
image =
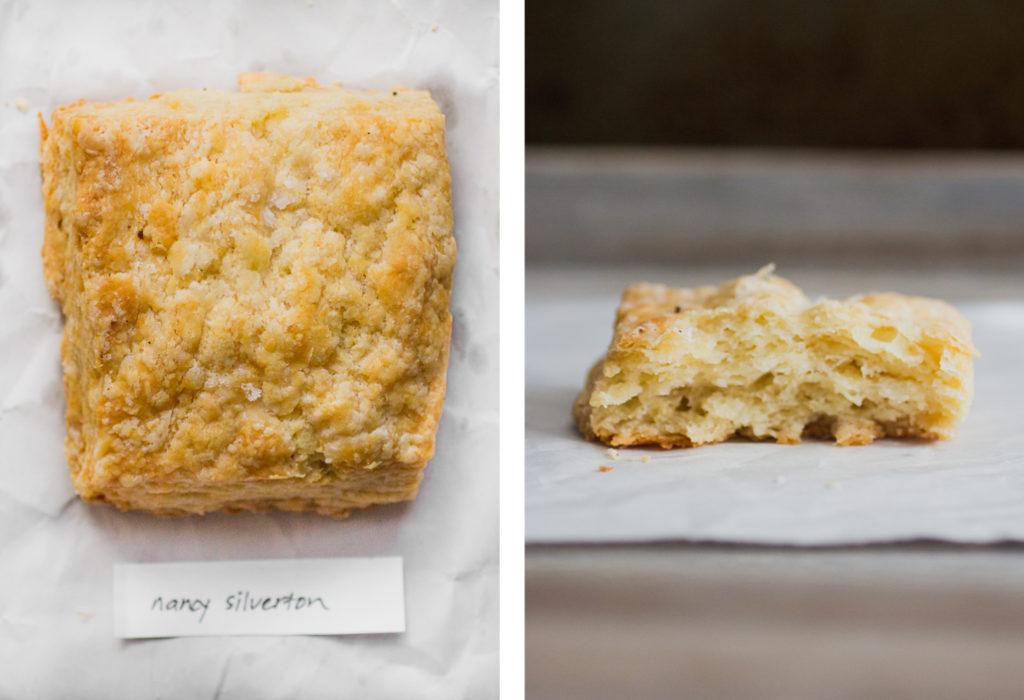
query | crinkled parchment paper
[56, 634]
[970, 489]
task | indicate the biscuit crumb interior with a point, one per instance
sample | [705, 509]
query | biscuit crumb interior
[756, 358]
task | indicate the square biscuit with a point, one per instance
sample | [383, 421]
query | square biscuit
[256, 291]
[754, 357]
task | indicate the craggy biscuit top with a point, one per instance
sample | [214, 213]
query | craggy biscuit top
[649, 310]
[255, 283]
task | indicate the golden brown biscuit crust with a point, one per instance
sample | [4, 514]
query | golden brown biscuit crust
[256, 288]
[755, 357]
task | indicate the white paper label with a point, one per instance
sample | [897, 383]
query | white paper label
[263, 597]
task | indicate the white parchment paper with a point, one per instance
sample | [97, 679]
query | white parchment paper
[970, 489]
[56, 634]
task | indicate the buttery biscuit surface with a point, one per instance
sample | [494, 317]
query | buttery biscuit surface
[755, 357]
[256, 292]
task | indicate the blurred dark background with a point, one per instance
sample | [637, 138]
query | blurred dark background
[740, 131]
[909, 74]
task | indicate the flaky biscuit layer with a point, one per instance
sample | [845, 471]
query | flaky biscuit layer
[755, 357]
[256, 292]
